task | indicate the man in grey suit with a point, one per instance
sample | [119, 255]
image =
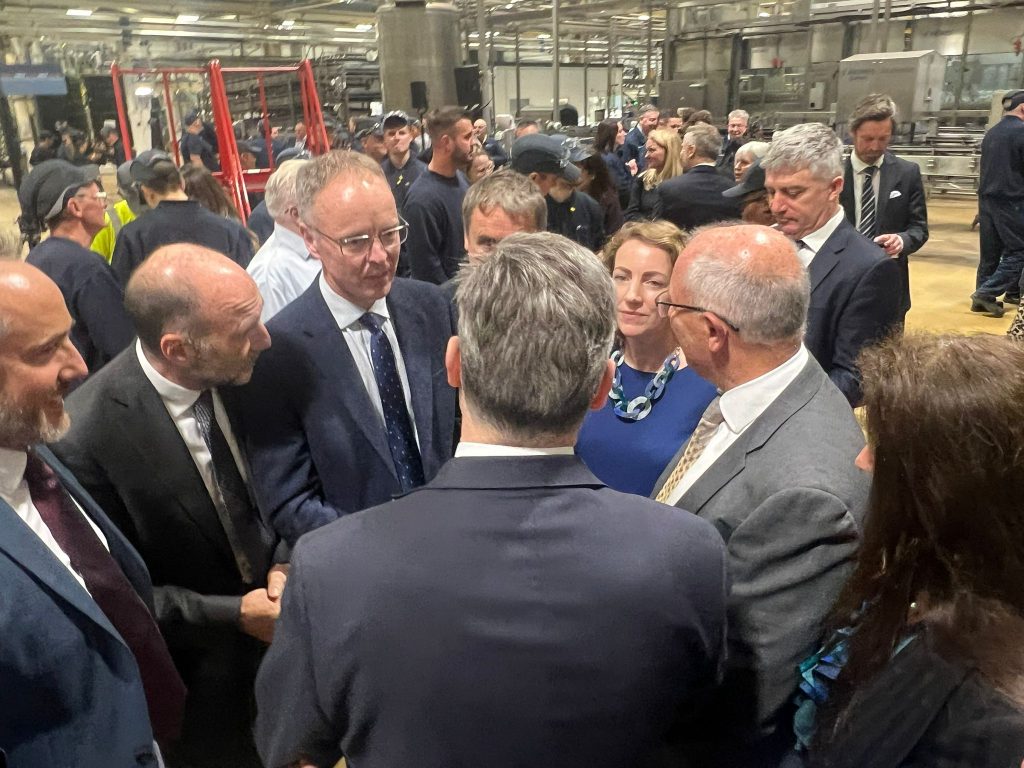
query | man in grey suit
[514, 610]
[771, 466]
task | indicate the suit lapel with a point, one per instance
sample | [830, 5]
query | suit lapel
[409, 326]
[148, 429]
[827, 257]
[886, 184]
[329, 350]
[846, 196]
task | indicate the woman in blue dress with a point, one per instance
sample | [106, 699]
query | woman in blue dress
[656, 400]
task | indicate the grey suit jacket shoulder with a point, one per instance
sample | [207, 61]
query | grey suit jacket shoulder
[789, 503]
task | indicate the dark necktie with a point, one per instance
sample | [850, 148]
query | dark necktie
[238, 515]
[867, 203]
[398, 425]
[114, 594]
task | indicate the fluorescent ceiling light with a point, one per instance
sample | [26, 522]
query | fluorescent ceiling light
[155, 20]
[364, 27]
[82, 12]
[187, 18]
[288, 23]
[144, 90]
[644, 17]
[543, 37]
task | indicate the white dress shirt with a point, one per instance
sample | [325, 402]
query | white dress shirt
[357, 336]
[740, 408]
[484, 450]
[283, 270]
[14, 490]
[858, 182]
[812, 243]
[179, 401]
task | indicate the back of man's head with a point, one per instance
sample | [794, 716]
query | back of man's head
[809, 146]
[442, 121]
[536, 323]
[705, 140]
[280, 194]
[513, 193]
[747, 278]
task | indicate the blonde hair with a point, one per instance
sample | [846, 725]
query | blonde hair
[673, 146]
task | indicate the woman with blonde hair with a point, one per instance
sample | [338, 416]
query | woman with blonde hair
[656, 401]
[664, 161]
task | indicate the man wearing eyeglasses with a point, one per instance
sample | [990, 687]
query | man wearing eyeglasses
[770, 465]
[68, 200]
[350, 405]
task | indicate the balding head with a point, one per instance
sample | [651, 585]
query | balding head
[197, 314]
[754, 293]
[38, 362]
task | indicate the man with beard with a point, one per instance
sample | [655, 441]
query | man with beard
[153, 440]
[433, 205]
[85, 678]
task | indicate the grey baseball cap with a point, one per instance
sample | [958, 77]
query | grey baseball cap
[539, 153]
[47, 189]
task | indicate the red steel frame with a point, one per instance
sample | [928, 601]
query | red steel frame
[237, 181]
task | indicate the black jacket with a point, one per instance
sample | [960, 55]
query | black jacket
[695, 198]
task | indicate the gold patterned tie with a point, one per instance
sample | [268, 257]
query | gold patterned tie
[709, 422]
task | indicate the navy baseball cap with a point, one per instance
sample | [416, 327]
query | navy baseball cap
[145, 167]
[47, 189]
[539, 153]
[191, 116]
[1012, 100]
[395, 118]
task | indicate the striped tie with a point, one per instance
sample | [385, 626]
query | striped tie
[709, 422]
[867, 203]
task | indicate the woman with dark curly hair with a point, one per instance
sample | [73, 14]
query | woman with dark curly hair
[928, 631]
[608, 144]
[597, 182]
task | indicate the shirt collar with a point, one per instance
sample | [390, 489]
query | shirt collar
[742, 404]
[816, 239]
[291, 241]
[859, 165]
[480, 450]
[177, 398]
[12, 470]
[346, 313]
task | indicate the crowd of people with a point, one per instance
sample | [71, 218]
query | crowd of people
[503, 473]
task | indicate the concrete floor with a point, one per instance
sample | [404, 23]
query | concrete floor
[941, 273]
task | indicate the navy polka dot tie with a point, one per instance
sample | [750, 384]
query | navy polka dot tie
[401, 440]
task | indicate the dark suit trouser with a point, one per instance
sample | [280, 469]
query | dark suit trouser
[1001, 261]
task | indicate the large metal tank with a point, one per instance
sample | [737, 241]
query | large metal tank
[418, 43]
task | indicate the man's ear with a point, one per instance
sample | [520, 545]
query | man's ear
[309, 240]
[597, 403]
[174, 348]
[453, 362]
[835, 188]
[717, 332]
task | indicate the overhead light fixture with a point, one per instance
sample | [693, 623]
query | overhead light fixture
[288, 23]
[187, 18]
[144, 90]
[81, 12]
[644, 17]
[543, 36]
[364, 27]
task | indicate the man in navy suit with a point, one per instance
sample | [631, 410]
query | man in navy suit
[85, 678]
[514, 611]
[883, 196]
[636, 139]
[695, 198]
[350, 405]
[855, 287]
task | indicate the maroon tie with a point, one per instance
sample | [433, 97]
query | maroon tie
[110, 588]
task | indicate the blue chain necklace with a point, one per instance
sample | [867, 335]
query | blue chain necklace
[638, 408]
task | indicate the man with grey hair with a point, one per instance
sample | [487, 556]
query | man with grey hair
[735, 131]
[283, 268]
[350, 405]
[169, 399]
[636, 139]
[515, 610]
[855, 286]
[770, 465]
[694, 198]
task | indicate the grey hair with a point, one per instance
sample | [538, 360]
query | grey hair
[739, 113]
[316, 175]
[10, 245]
[755, 149]
[769, 308]
[808, 146]
[705, 139]
[536, 324]
[281, 188]
[514, 193]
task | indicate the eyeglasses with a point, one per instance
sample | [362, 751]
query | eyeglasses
[665, 306]
[358, 246]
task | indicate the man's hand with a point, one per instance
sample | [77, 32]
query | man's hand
[632, 166]
[893, 244]
[276, 579]
[258, 615]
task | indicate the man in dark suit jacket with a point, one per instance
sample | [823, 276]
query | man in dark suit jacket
[895, 214]
[855, 286]
[636, 140]
[771, 466]
[695, 198]
[198, 318]
[82, 664]
[350, 405]
[735, 131]
[513, 611]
